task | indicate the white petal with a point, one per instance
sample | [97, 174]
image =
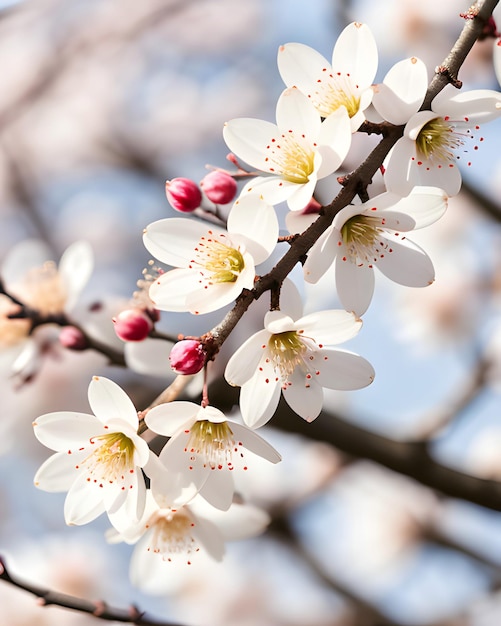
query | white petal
[57, 473]
[168, 418]
[355, 285]
[329, 327]
[273, 189]
[65, 430]
[210, 537]
[298, 222]
[149, 357]
[219, 489]
[170, 290]
[108, 402]
[173, 241]
[241, 521]
[259, 397]
[335, 134]
[277, 322]
[291, 303]
[296, 113]
[253, 442]
[20, 259]
[255, 220]
[343, 370]
[218, 295]
[244, 362]
[302, 194]
[75, 268]
[407, 265]
[477, 105]
[305, 397]
[321, 255]
[402, 91]
[300, 66]
[83, 503]
[248, 138]
[355, 53]
[425, 205]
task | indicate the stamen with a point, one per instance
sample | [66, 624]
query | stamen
[172, 534]
[287, 351]
[218, 261]
[43, 290]
[291, 158]
[360, 235]
[334, 91]
[111, 461]
[213, 442]
[438, 139]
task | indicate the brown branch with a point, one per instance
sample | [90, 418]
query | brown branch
[99, 610]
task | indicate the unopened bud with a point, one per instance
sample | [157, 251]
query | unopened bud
[72, 338]
[219, 187]
[183, 194]
[187, 356]
[132, 325]
[312, 207]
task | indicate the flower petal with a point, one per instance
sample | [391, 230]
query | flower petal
[75, 268]
[296, 115]
[402, 91]
[334, 141]
[407, 265]
[259, 396]
[477, 105]
[253, 442]
[166, 419]
[304, 396]
[321, 255]
[173, 240]
[343, 370]
[149, 357]
[256, 221]
[355, 54]
[65, 430]
[83, 502]
[355, 285]
[300, 65]
[170, 290]
[58, 472]
[425, 205]
[219, 489]
[248, 138]
[244, 362]
[329, 327]
[108, 401]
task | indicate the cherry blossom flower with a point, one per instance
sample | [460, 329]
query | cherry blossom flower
[43, 287]
[369, 235]
[344, 83]
[295, 152]
[213, 265]
[203, 440]
[434, 140]
[289, 356]
[168, 536]
[98, 457]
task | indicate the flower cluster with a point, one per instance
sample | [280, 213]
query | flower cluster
[212, 258]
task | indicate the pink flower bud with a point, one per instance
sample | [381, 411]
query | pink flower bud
[72, 338]
[219, 187]
[183, 194]
[187, 356]
[312, 207]
[132, 325]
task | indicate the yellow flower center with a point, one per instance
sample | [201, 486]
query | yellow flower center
[12, 331]
[290, 158]
[171, 534]
[111, 461]
[287, 350]
[43, 290]
[213, 443]
[360, 235]
[333, 91]
[219, 262]
[437, 140]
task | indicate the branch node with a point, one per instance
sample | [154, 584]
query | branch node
[443, 70]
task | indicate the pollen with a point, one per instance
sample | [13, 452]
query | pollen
[213, 443]
[111, 458]
[287, 351]
[217, 259]
[171, 534]
[361, 236]
[334, 91]
[438, 140]
[291, 157]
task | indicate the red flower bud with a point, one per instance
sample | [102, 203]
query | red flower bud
[72, 338]
[132, 325]
[219, 187]
[187, 356]
[183, 194]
